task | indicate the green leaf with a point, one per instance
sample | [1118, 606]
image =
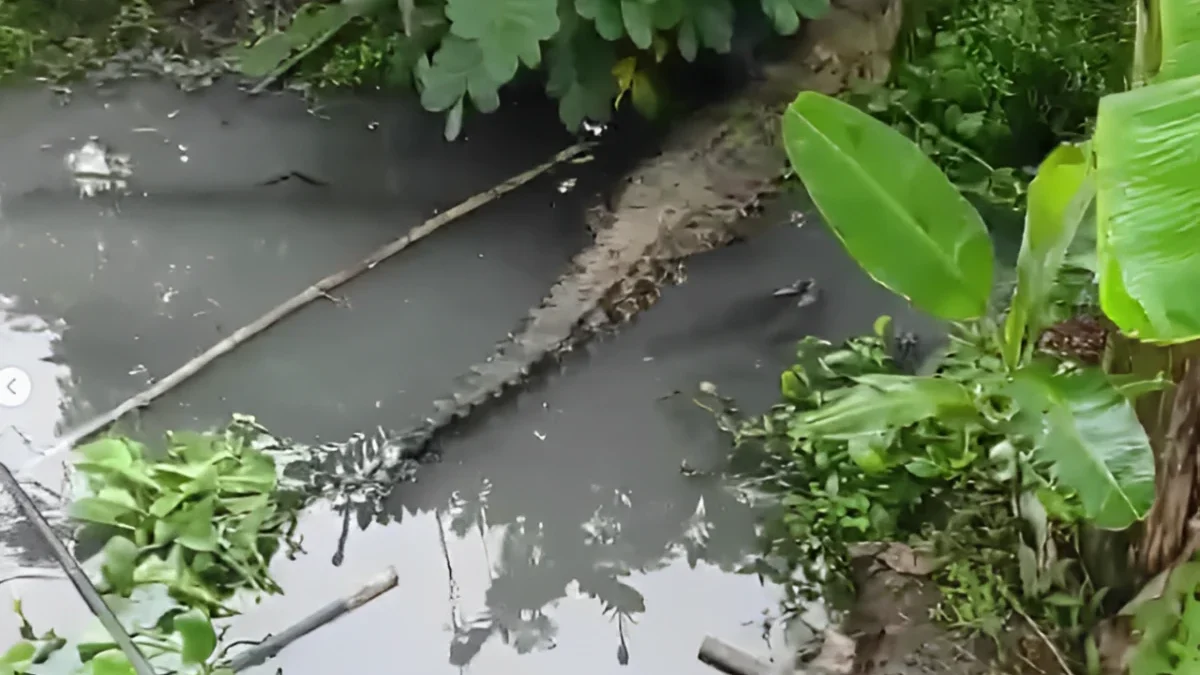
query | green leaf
[1055, 208]
[1180, 21]
[313, 23]
[194, 527]
[457, 70]
[883, 402]
[166, 504]
[606, 14]
[508, 31]
[882, 196]
[120, 559]
[643, 95]
[1147, 198]
[785, 15]
[101, 510]
[638, 17]
[111, 662]
[113, 453]
[199, 638]
[709, 20]
[1093, 441]
[19, 656]
[580, 73]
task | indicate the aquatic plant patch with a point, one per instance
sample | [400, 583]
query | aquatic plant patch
[185, 533]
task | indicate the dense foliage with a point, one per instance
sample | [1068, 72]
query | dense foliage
[1052, 443]
[987, 88]
[594, 52]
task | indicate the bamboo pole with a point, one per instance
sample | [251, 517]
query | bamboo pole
[318, 290]
[275, 643]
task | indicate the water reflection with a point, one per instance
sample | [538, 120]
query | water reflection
[30, 343]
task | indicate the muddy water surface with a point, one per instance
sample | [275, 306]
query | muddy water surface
[559, 525]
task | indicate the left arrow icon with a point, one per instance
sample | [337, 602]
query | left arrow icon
[15, 387]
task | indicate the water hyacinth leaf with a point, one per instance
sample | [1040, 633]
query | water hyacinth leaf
[1091, 437]
[879, 403]
[194, 527]
[100, 511]
[199, 638]
[112, 453]
[111, 662]
[901, 220]
[1058, 199]
[1148, 242]
[120, 559]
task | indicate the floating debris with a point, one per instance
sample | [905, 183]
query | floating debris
[96, 168]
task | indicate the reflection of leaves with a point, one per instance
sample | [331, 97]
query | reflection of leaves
[615, 595]
[469, 640]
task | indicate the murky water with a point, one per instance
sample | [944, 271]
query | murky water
[559, 523]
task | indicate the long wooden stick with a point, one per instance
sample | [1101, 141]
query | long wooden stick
[275, 643]
[75, 573]
[318, 290]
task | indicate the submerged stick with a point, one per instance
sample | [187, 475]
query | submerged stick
[729, 659]
[318, 290]
[275, 643]
[75, 573]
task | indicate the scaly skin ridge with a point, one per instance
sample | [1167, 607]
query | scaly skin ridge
[688, 199]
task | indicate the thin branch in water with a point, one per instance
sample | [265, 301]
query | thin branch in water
[318, 290]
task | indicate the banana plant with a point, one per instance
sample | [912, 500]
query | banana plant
[1137, 182]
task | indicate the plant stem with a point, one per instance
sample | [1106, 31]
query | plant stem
[318, 290]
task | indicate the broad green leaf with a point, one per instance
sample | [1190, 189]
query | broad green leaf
[1148, 242]
[457, 70]
[113, 453]
[144, 608]
[19, 655]
[1180, 39]
[101, 511]
[508, 32]
[166, 504]
[606, 14]
[785, 15]
[199, 639]
[111, 662]
[879, 403]
[1093, 441]
[638, 17]
[194, 526]
[1058, 200]
[580, 73]
[895, 212]
[711, 21]
[120, 559]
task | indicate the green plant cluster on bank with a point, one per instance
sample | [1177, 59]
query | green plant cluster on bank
[998, 459]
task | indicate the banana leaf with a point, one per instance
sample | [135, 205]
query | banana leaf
[1180, 34]
[1147, 152]
[894, 211]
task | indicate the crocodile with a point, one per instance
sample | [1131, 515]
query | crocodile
[693, 196]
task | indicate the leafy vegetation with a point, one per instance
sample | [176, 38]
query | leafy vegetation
[987, 88]
[460, 52]
[185, 534]
[998, 459]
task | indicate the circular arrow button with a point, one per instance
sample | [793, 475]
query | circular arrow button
[15, 387]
